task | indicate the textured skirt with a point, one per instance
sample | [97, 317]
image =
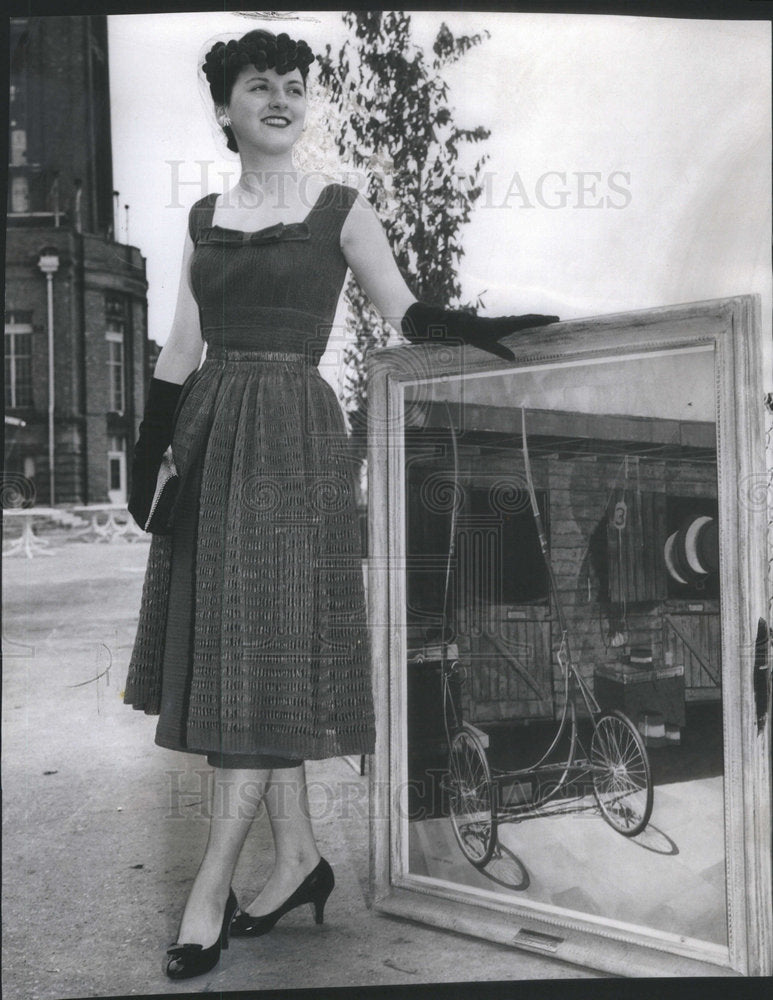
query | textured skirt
[252, 634]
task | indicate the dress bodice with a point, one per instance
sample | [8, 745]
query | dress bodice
[275, 289]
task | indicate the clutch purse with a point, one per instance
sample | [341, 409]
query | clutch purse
[161, 508]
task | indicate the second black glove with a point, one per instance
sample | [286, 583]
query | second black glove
[155, 436]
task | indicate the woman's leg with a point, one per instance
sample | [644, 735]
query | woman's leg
[236, 797]
[295, 849]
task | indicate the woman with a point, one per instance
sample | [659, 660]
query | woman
[252, 645]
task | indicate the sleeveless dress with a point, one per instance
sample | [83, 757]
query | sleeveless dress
[252, 637]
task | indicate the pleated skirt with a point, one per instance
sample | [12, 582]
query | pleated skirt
[252, 636]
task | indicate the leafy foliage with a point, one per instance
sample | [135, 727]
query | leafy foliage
[397, 129]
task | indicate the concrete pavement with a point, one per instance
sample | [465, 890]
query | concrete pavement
[103, 830]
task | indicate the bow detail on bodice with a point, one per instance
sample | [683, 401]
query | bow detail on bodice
[270, 234]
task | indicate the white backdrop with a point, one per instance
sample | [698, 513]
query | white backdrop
[629, 157]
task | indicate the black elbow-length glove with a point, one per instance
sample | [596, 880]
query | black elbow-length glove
[423, 323]
[155, 436]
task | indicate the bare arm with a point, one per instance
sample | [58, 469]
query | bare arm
[369, 255]
[181, 354]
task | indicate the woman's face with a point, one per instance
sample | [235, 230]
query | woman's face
[267, 109]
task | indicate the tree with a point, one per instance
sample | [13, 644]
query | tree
[398, 129]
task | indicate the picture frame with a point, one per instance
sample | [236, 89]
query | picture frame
[582, 374]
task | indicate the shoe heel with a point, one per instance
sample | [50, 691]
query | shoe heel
[231, 907]
[321, 891]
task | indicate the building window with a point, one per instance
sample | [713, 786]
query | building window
[17, 124]
[115, 370]
[116, 469]
[18, 359]
[20, 195]
[115, 322]
[115, 474]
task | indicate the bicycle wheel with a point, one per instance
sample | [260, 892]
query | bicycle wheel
[622, 783]
[471, 798]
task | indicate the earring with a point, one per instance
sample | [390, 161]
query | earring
[225, 121]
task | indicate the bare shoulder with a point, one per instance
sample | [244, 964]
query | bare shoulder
[361, 223]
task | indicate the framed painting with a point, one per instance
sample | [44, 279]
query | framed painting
[568, 592]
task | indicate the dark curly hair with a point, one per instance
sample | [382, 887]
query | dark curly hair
[261, 49]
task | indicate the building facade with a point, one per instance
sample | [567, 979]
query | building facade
[77, 354]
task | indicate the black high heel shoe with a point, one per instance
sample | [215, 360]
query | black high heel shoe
[314, 889]
[187, 960]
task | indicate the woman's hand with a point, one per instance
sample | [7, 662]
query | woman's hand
[155, 437]
[423, 324]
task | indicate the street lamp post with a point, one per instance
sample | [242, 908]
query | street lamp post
[48, 262]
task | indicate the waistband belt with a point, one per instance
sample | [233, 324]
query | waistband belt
[219, 353]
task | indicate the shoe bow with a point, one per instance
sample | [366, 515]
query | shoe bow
[181, 949]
